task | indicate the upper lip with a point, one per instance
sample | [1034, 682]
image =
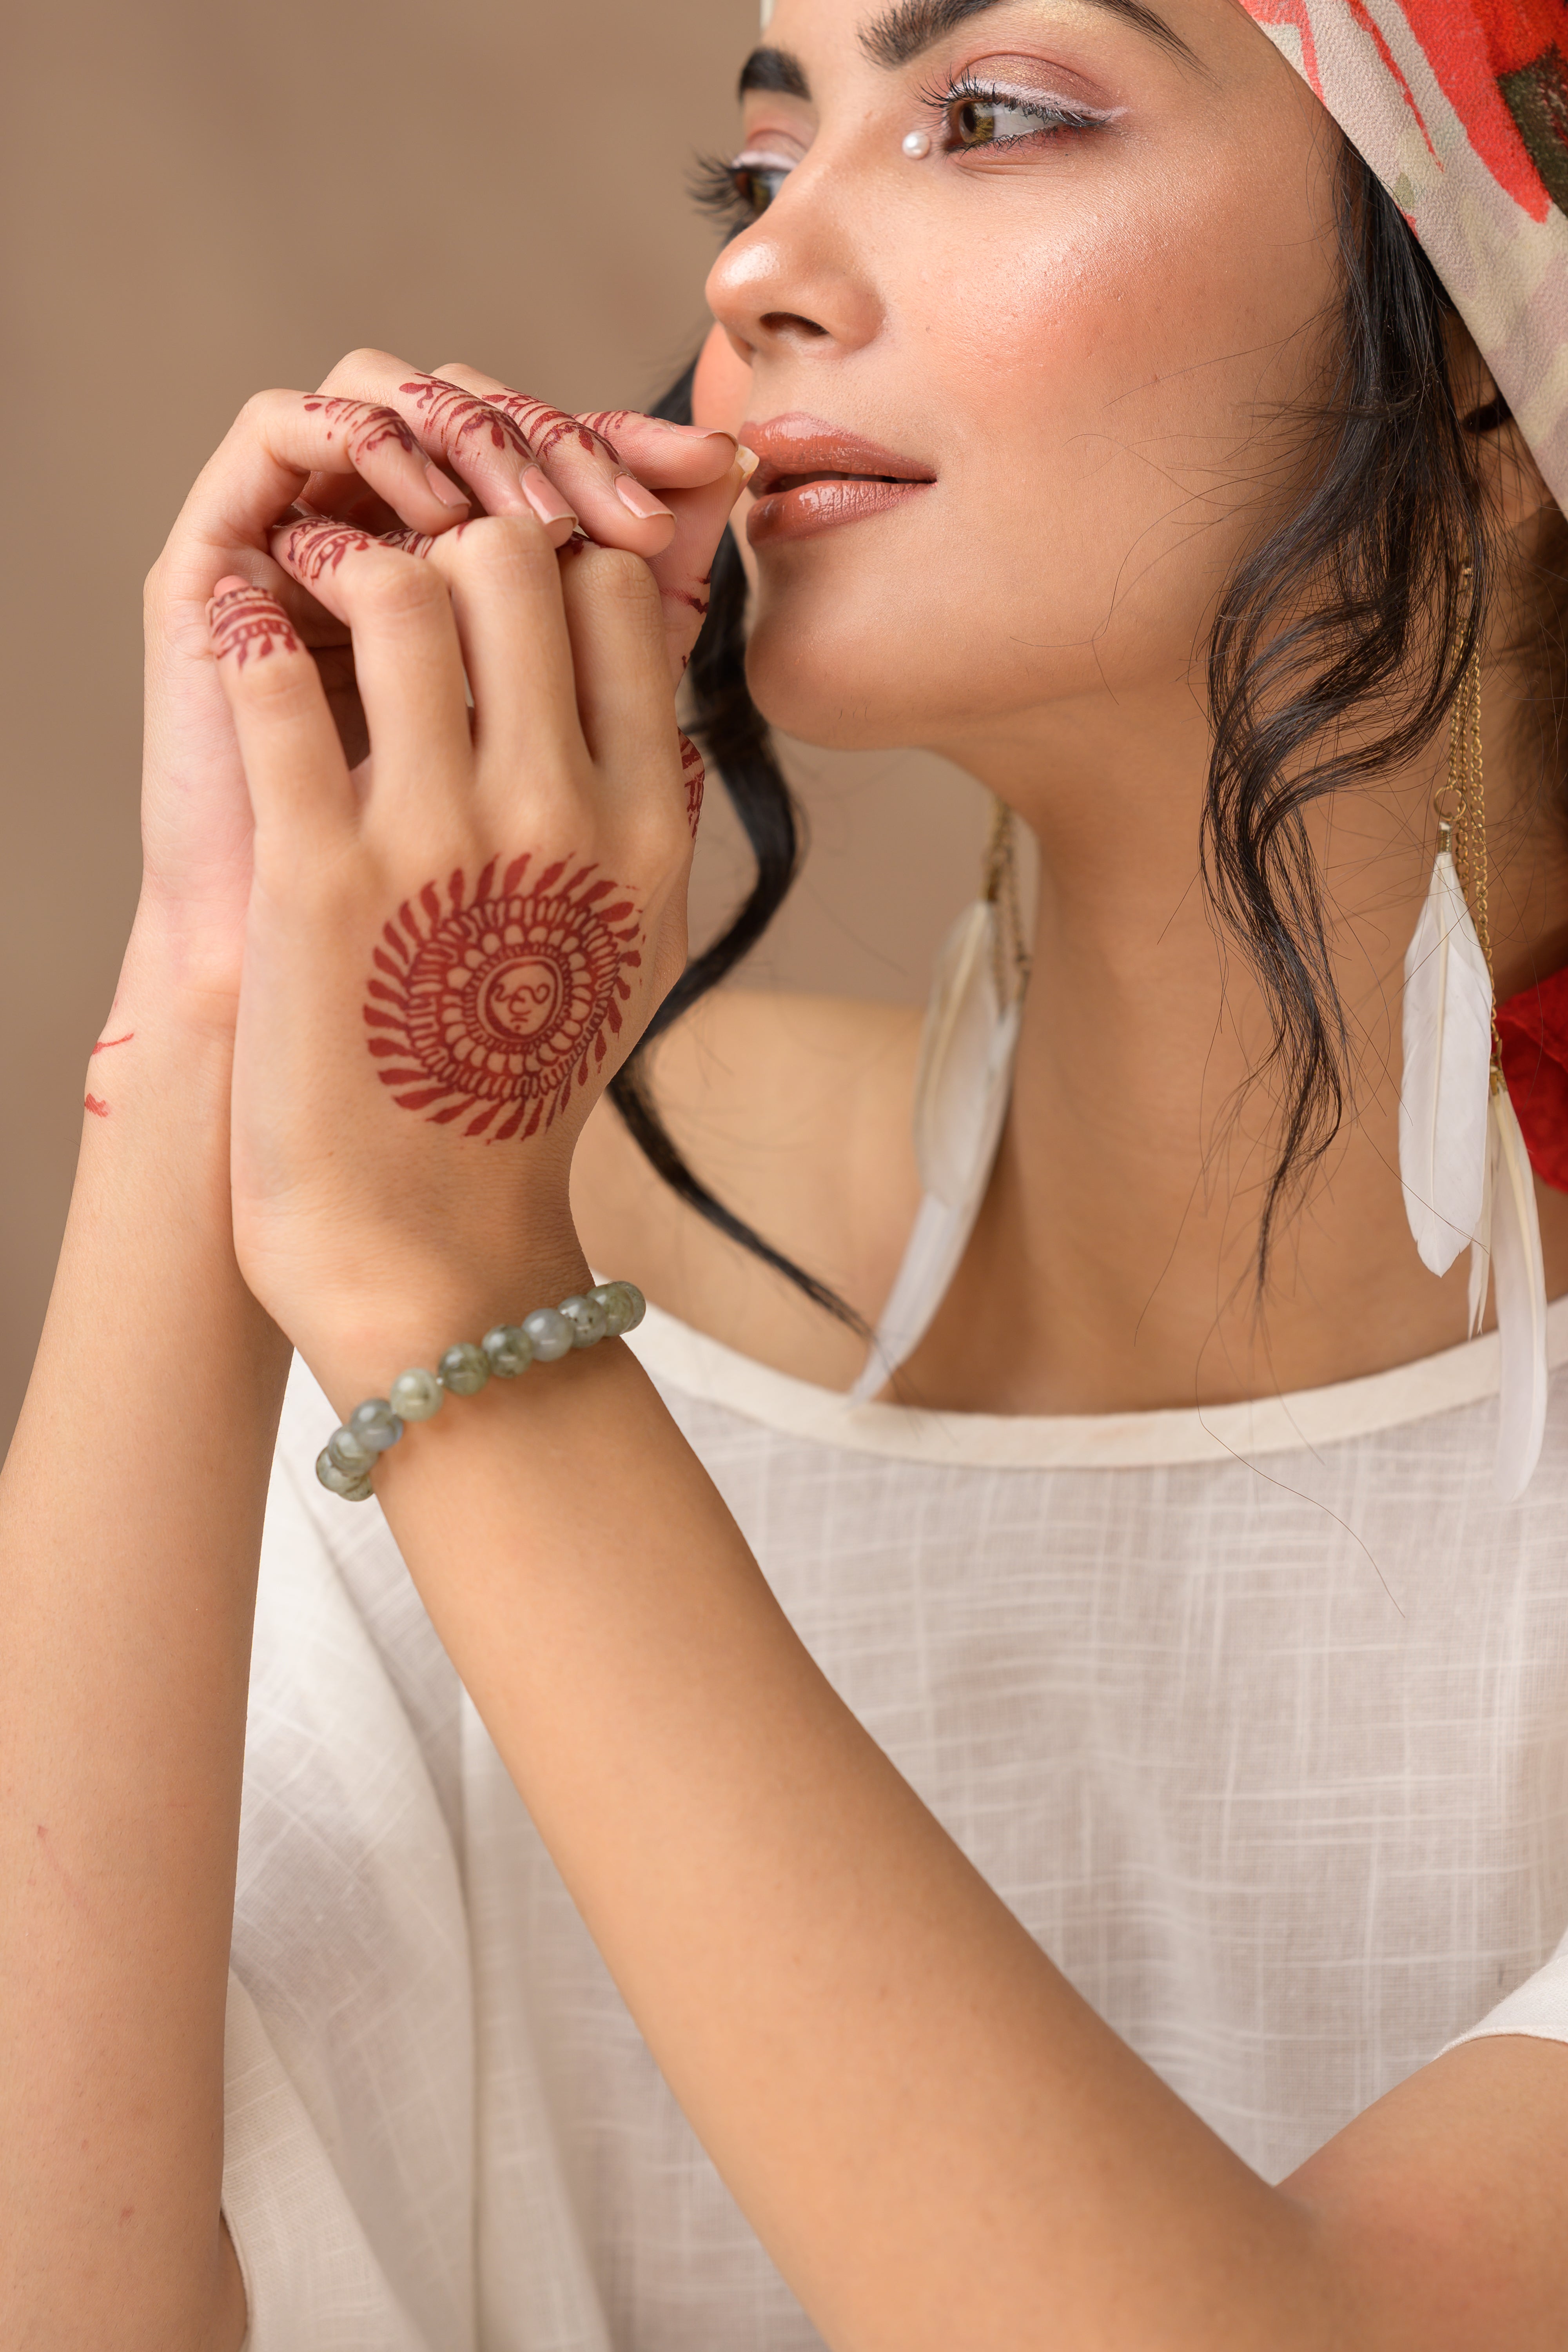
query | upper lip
[800, 448]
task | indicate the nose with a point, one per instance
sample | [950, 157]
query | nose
[793, 285]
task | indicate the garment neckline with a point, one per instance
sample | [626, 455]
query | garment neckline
[1299, 1422]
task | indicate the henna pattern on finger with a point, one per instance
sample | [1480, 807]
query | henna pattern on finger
[92, 1103]
[319, 545]
[694, 776]
[104, 1044]
[499, 1003]
[248, 621]
[459, 415]
[366, 427]
[546, 427]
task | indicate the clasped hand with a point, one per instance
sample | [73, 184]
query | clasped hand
[444, 948]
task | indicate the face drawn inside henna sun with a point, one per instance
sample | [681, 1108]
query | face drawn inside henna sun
[499, 1003]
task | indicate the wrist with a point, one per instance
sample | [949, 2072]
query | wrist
[358, 1340]
[177, 980]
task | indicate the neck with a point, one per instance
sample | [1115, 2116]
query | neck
[1114, 1266]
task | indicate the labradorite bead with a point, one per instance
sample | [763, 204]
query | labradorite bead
[376, 1425]
[587, 1320]
[417, 1394]
[352, 1487]
[610, 1297]
[463, 1369]
[350, 1452]
[508, 1349]
[551, 1333]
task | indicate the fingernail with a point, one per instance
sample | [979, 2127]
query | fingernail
[544, 497]
[748, 461]
[446, 491]
[640, 502]
[696, 432]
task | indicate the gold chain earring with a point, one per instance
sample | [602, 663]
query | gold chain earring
[1462, 1160]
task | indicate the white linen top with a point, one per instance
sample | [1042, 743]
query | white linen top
[1257, 1719]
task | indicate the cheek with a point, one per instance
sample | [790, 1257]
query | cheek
[721, 388]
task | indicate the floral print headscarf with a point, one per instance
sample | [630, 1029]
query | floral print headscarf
[1461, 109]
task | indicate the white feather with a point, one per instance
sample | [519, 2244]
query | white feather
[1519, 1273]
[963, 1082]
[1443, 1093]
[1482, 1249]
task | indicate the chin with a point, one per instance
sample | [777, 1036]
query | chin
[847, 674]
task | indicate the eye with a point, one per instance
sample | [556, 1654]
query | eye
[739, 190]
[973, 117]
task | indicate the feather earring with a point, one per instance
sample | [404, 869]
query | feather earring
[1462, 1160]
[963, 1084]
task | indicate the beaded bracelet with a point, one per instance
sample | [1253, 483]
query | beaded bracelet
[344, 1464]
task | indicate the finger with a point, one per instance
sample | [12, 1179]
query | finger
[664, 456]
[504, 579]
[407, 659]
[469, 436]
[616, 508]
[295, 772]
[616, 633]
[684, 572]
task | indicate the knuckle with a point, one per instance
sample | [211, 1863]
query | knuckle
[621, 581]
[511, 550]
[398, 588]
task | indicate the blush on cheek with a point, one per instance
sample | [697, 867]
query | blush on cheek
[721, 388]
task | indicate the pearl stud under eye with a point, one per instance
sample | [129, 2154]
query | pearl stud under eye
[917, 144]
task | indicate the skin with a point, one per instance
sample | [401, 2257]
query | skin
[254, 1185]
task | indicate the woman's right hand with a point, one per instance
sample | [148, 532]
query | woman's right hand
[387, 445]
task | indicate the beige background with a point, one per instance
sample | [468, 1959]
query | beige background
[198, 202]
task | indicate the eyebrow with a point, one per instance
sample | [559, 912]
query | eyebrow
[911, 26]
[774, 69]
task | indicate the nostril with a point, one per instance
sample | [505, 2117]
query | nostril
[790, 322]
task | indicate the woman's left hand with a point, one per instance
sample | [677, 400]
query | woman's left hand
[450, 949]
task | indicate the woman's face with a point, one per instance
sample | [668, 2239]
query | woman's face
[1065, 263]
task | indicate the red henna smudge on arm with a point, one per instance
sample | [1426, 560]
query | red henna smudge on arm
[247, 621]
[694, 776]
[502, 999]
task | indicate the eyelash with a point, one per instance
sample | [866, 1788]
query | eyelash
[725, 186]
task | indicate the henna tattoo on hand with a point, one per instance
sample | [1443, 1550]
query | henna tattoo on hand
[545, 427]
[92, 1103]
[365, 426]
[319, 545]
[498, 1005]
[248, 621]
[694, 776]
[104, 1044]
[460, 416]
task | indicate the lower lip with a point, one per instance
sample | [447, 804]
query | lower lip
[816, 507]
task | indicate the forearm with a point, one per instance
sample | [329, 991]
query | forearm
[938, 2142]
[130, 1517]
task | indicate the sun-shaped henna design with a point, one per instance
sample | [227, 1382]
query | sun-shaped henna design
[499, 1003]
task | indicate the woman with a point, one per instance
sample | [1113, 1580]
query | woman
[1045, 1921]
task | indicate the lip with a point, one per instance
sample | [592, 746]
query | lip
[847, 480]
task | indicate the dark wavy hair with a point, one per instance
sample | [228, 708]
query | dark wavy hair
[1336, 650]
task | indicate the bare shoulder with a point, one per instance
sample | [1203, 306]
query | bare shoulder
[795, 1112]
